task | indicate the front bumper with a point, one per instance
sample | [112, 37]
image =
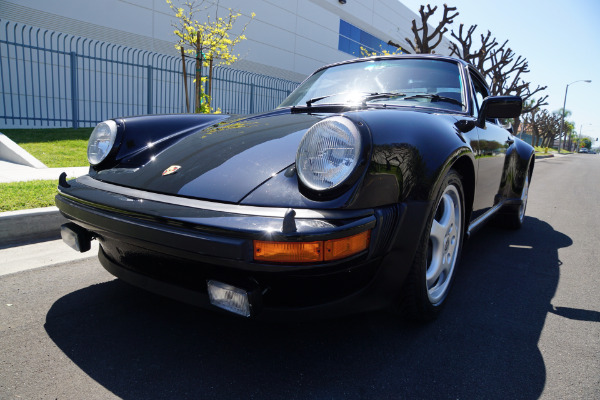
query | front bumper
[172, 246]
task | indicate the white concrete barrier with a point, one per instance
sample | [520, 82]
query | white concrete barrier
[12, 152]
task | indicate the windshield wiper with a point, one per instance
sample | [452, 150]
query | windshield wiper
[435, 97]
[363, 100]
[315, 99]
[382, 95]
[388, 95]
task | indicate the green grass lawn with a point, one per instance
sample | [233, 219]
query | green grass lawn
[542, 151]
[61, 147]
[23, 195]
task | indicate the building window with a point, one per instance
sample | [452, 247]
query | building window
[353, 38]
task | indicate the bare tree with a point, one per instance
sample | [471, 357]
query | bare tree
[425, 43]
[532, 121]
[499, 65]
[497, 62]
[545, 126]
[530, 105]
[506, 71]
[479, 58]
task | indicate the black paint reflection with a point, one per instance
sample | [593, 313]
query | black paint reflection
[405, 163]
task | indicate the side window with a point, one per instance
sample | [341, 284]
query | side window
[480, 93]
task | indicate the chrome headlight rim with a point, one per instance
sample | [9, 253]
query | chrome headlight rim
[361, 150]
[107, 143]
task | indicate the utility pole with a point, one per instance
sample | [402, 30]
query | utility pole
[562, 120]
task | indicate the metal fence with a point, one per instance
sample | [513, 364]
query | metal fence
[52, 79]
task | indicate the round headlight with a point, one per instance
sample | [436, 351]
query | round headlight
[328, 153]
[101, 141]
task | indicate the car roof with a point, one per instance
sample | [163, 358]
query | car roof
[459, 61]
[398, 57]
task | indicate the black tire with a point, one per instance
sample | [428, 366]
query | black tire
[513, 216]
[437, 255]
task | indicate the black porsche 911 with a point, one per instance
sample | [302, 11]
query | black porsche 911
[355, 194]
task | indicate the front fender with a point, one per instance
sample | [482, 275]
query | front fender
[412, 152]
[519, 162]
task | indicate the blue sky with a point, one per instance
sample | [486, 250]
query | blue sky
[560, 40]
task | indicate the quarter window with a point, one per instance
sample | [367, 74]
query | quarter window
[480, 93]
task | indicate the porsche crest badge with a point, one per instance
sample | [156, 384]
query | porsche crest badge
[171, 170]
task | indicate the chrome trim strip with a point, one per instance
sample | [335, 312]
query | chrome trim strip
[476, 224]
[276, 212]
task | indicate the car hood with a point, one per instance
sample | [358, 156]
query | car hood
[223, 162]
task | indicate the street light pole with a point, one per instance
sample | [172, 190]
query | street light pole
[562, 120]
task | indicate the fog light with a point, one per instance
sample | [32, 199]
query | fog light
[229, 298]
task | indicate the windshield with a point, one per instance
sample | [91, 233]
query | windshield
[407, 82]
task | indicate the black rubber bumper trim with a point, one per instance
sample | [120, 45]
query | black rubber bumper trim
[106, 223]
[153, 285]
[375, 295]
[229, 248]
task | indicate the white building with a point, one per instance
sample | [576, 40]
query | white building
[287, 39]
[77, 62]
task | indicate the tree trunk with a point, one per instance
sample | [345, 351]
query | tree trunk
[210, 76]
[187, 97]
[198, 72]
[516, 124]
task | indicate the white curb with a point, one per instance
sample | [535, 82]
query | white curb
[36, 224]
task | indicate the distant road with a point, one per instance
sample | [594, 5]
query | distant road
[523, 321]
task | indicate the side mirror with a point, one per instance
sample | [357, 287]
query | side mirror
[499, 107]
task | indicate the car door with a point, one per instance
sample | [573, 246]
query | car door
[490, 152]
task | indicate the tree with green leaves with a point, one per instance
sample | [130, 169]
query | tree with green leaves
[569, 128]
[364, 52]
[585, 142]
[210, 42]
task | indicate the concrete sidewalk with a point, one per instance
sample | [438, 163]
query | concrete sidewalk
[40, 254]
[11, 172]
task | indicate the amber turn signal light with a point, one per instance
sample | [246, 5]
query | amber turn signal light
[305, 252]
[336, 249]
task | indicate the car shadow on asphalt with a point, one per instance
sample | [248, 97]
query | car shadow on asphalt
[484, 345]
